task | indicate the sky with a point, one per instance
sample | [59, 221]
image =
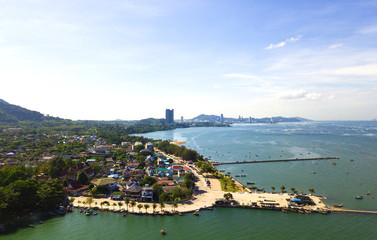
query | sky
[130, 60]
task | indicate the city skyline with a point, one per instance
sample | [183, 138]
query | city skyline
[98, 60]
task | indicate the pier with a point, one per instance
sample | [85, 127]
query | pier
[278, 160]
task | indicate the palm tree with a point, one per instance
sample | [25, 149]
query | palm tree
[120, 204]
[89, 200]
[78, 203]
[293, 190]
[273, 188]
[311, 190]
[154, 207]
[133, 204]
[140, 206]
[146, 206]
[301, 191]
[127, 201]
[162, 205]
[282, 189]
[114, 205]
[101, 203]
[175, 205]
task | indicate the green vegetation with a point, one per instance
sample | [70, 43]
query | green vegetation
[179, 151]
[227, 184]
[19, 194]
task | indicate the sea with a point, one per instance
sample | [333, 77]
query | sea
[339, 180]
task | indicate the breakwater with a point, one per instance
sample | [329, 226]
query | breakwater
[277, 160]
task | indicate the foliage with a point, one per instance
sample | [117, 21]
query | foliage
[148, 180]
[179, 151]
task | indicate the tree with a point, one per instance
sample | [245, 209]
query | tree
[138, 148]
[127, 201]
[228, 196]
[140, 206]
[146, 206]
[162, 205]
[56, 166]
[154, 207]
[82, 177]
[89, 200]
[293, 190]
[311, 190]
[175, 205]
[133, 203]
[120, 204]
[282, 189]
[273, 189]
[157, 191]
[149, 180]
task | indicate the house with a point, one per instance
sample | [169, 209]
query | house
[134, 192]
[110, 183]
[89, 171]
[117, 195]
[149, 146]
[75, 188]
[147, 193]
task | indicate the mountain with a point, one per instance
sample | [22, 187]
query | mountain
[10, 113]
[214, 118]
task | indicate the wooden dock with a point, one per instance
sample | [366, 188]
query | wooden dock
[278, 160]
[352, 211]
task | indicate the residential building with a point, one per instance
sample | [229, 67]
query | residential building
[169, 116]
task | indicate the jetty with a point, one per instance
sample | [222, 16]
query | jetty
[352, 211]
[277, 160]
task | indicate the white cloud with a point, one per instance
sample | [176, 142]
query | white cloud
[368, 30]
[282, 44]
[299, 94]
[241, 75]
[336, 45]
[364, 70]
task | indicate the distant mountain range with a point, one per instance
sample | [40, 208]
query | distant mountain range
[215, 118]
[10, 113]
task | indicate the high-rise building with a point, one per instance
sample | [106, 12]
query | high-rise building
[222, 118]
[181, 119]
[169, 116]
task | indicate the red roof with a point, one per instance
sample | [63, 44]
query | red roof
[177, 167]
[186, 168]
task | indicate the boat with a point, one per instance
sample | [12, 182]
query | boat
[346, 172]
[338, 205]
[162, 232]
[333, 163]
[368, 193]
[89, 212]
[196, 213]
[359, 197]
[243, 175]
[251, 183]
[222, 170]
[314, 172]
[237, 176]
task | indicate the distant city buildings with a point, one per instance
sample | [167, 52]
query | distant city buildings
[169, 116]
[181, 119]
[222, 118]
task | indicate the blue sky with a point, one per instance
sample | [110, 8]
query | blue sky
[106, 60]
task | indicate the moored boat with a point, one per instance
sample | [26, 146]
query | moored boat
[359, 197]
[338, 205]
[196, 213]
[251, 183]
[368, 193]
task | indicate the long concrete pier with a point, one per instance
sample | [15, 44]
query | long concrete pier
[278, 160]
[352, 211]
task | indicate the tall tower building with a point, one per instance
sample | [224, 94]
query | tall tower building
[169, 116]
[181, 119]
[222, 118]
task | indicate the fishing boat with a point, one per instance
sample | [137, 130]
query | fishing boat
[251, 183]
[243, 175]
[359, 197]
[314, 172]
[333, 163]
[338, 205]
[162, 232]
[89, 212]
[237, 176]
[368, 193]
[196, 213]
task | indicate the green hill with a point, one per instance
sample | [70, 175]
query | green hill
[10, 113]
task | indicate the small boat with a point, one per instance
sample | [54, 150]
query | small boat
[162, 232]
[333, 163]
[346, 172]
[251, 183]
[31, 225]
[243, 175]
[359, 197]
[314, 172]
[95, 213]
[180, 214]
[89, 212]
[338, 205]
[237, 176]
[196, 213]
[368, 193]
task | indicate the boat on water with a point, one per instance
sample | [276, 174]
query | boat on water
[338, 205]
[237, 176]
[251, 183]
[359, 197]
[368, 193]
[196, 213]
[314, 172]
[60, 210]
[333, 163]
[89, 212]
[243, 175]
